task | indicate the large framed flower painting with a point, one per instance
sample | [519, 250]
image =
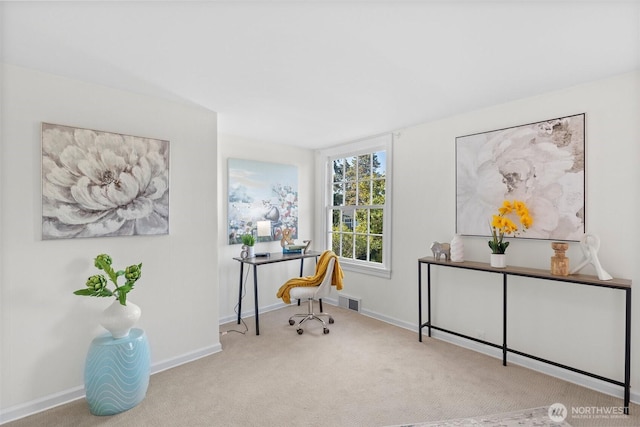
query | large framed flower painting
[541, 164]
[99, 184]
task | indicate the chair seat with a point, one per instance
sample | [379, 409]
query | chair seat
[310, 293]
[303, 292]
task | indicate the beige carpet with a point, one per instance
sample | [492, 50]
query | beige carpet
[363, 373]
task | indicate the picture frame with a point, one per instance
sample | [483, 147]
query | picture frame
[262, 200]
[103, 184]
[540, 163]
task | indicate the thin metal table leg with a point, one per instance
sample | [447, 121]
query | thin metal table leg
[504, 320]
[419, 301]
[240, 294]
[627, 352]
[255, 296]
[429, 298]
[301, 269]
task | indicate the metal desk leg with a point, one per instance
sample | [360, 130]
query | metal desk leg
[240, 294]
[255, 296]
[627, 352]
[301, 268]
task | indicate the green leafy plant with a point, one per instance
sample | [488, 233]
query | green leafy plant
[248, 239]
[97, 285]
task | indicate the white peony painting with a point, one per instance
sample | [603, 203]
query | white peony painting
[541, 164]
[99, 184]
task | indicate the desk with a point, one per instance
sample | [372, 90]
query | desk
[257, 261]
[580, 279]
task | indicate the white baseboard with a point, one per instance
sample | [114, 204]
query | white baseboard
[39, 405]
[250, 312]
[185, 358]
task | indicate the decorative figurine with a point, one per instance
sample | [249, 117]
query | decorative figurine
[590, 245]
[286, 238]
[440, 249]
[289, 246]
[559, 262]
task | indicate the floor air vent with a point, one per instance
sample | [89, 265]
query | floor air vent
[349, 302]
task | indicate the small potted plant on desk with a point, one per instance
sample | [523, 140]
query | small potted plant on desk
[248, 242]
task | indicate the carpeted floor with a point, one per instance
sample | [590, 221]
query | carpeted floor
[363, 373]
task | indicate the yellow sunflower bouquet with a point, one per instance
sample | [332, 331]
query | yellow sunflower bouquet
[502, 224]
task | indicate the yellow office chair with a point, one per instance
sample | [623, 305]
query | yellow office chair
[328, 272]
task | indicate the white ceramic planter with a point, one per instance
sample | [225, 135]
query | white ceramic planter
[498, 260]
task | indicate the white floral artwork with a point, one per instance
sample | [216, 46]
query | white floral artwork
[541, 164]
[99, 184]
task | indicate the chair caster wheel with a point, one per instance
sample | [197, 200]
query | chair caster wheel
[300, 331]
[291, 322]
[330, 319]
[325, 331]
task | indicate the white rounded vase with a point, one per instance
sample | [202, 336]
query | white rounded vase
[119, 319]
[457, 249]
[498, 260]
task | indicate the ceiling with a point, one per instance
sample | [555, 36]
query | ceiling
[318, 73]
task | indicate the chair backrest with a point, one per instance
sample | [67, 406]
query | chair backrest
[324, 289]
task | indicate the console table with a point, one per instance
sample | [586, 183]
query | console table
[262, 260]
[580, 279]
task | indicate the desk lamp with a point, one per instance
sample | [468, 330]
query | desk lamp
[264, 229]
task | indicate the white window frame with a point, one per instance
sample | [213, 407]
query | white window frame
[365, 146]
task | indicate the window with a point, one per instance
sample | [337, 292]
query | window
[358, 208]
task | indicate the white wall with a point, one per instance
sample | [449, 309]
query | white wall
[576, 325]
[46, 330]
[270, 277]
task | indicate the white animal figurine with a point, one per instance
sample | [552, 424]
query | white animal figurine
[440, 249]
[590, 245]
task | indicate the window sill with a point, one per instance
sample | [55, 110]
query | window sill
[348, 265]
